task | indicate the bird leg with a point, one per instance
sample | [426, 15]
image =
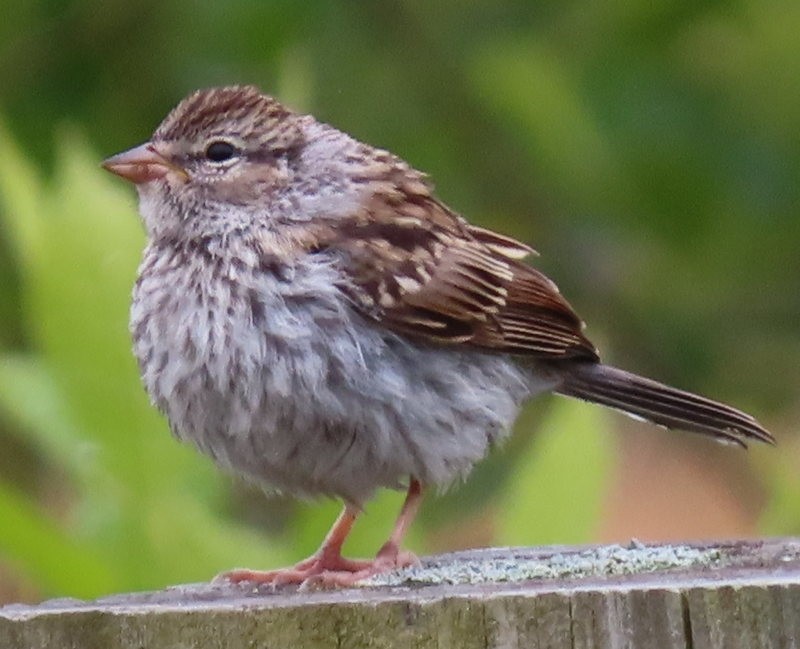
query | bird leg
[328, 567]
[391, 549]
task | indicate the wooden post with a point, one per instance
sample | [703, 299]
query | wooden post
[696, 596]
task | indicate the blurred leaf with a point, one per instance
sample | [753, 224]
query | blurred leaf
[556, 490]
[540, 97]
[48, 554]
[782, 514]
[753, 61]
[29, 394]
[20, 193]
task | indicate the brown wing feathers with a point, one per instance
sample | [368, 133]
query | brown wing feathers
[439, 278]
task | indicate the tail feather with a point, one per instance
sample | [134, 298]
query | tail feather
[661, 404]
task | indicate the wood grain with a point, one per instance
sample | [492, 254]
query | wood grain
[692, 596]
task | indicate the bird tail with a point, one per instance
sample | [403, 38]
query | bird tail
[661, 404]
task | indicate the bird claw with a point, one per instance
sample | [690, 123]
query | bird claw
[324, 572]
[377, 566]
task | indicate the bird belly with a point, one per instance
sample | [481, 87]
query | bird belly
[282, 381]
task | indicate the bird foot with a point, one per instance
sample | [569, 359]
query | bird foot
[325, 570]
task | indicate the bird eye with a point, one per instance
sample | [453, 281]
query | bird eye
[219, 151]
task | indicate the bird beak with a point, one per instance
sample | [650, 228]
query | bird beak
[142, 164]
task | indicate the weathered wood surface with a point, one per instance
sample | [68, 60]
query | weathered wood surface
[700, 596]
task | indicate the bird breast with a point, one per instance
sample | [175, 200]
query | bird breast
[270, 372]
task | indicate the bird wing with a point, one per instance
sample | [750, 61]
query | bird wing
[414, 266]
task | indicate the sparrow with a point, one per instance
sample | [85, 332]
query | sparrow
[311, 316]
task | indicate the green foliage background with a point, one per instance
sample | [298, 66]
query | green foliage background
[651, 151]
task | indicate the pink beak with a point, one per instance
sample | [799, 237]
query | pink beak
[141, 164]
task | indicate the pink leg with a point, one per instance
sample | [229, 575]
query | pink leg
[391, 549]
[327, 558]
[328, 567]
[389, 557]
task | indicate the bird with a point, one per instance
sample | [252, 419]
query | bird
[311, 315]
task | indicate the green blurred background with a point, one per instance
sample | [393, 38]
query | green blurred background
[649, 150]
